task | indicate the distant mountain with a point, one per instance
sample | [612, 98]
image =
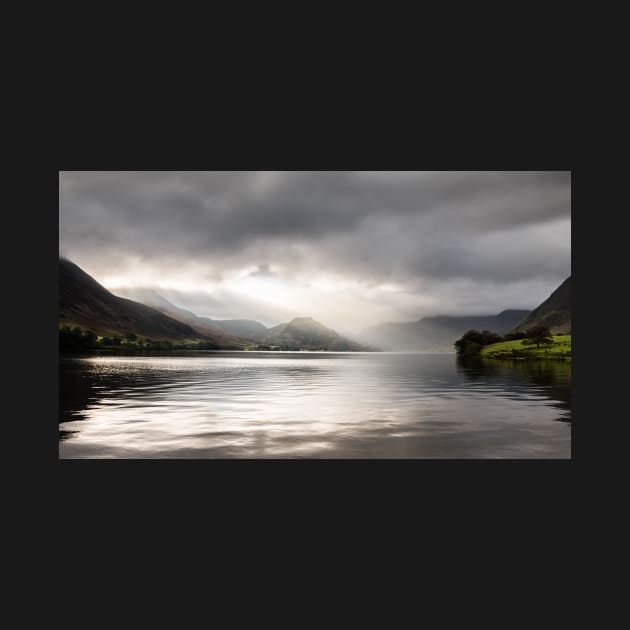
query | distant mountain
[84, 302]
[304, 333]
[300, 334]
[244, 328]
[439, 333]
[554, 312]
[230, 329]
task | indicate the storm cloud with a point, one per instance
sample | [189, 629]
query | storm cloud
[348, 247]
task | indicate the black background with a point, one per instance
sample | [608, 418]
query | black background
[512, 518]
[319, 140]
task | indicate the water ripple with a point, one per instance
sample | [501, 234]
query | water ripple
[313, 405]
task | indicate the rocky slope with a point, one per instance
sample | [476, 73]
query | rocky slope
[554, 312]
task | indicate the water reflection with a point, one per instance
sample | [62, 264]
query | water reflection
[550, 378]
[312, 405]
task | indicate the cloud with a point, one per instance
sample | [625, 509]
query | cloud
[263, 271]
[426, 233]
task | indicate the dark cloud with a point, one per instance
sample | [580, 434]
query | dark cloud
[414, 229]
[222, 210]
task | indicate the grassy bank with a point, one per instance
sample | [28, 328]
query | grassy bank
[560, 349]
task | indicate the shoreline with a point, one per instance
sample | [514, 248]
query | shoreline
[565, 359]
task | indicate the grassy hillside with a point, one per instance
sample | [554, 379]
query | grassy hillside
[560, 349]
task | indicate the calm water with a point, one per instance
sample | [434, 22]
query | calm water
[287, 405]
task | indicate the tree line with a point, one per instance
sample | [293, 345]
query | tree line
[73, 340]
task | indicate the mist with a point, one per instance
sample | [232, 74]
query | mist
[351, 249]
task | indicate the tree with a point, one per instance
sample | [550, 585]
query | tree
[538, 335]
[90, 338]
[76, 340]
[513, 336]
[131, 336]
[68, 341]
[472, 342]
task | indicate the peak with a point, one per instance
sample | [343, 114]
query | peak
[306, 323]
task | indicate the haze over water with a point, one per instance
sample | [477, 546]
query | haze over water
[313, 405]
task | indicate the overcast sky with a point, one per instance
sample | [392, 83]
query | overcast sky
[348, 248]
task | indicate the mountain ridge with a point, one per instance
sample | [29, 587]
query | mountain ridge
[554, 313]
[203, 325]
[437, 333]
[86, 303]
[306, 333]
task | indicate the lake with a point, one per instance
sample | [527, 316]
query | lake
[313, 405]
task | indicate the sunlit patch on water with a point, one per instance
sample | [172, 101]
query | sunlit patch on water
[282, 405]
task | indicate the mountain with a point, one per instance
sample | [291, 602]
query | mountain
[439, 333]
[300, 334]
[84, 302]
[230, 329]
[554, 312]
[244, 328]
[304, 333]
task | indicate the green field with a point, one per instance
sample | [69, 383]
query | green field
[560, 349]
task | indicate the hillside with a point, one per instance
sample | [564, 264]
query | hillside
[84, 302]
[304, 333]
[559, 349]
[244, 328]
[437, 334]
[203, 325]
[554, 312]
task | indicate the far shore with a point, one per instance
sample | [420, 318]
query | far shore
[185, 352]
